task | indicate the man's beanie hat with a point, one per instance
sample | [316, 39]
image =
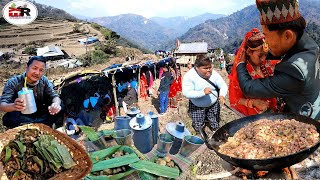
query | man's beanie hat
[278, 11]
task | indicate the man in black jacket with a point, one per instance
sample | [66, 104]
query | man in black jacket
[296, 78]
[130, 99]
[163, 91]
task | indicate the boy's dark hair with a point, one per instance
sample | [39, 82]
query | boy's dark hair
[106, 101]
[37, 58]
[202, 60]
[297, 26]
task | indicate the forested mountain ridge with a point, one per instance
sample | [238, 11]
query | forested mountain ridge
[151, 33]
[227, 32]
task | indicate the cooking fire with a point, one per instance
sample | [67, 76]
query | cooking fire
[285, 173]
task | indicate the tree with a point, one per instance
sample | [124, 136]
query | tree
[98, 57]
[76, 28]
[108, 47]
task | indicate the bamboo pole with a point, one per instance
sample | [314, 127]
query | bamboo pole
[155, 71]
[114, 85]
[138, 93]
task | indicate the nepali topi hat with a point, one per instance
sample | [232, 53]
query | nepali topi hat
[278, 11]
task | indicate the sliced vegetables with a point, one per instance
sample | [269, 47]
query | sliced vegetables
[33, 155]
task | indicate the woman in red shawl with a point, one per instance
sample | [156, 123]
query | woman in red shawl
[179, 83]
[173, 90]
[255, 50]
[143, 86]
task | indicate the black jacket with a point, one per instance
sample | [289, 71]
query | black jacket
[131, 97]
[296, 79]
[166, 81]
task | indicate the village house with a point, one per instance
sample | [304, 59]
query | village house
[50, 52]
[187, 52]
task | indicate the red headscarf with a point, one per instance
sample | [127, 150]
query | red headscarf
[235, 93]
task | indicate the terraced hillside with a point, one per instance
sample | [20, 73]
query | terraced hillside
[43, 32]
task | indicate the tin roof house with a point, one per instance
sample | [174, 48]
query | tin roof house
[187, 52]
[50, 52]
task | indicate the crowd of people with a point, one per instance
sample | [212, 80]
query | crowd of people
[275, 70]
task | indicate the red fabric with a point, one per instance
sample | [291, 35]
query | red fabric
[108, 111]
[235, 93]
[173, 89]
[179, 87]
[143, 86]
[174, 86]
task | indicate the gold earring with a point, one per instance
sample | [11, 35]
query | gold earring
[265, 47]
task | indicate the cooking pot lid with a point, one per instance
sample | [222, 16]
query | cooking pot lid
[152, 115]
[140, 122]
[177, 129]
[133, 110]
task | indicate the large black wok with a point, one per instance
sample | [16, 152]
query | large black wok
[229, 129]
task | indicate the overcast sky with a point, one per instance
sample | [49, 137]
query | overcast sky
[148, 8]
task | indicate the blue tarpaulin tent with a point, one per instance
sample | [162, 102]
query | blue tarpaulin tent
[117, 72]
[88, 40]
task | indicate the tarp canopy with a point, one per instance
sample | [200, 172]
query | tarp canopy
[122, 69]
[116, 68]
[88, 40]
[78, 86]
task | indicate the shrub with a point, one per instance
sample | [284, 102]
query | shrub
[98, 57]
[96, 26]
[94, 57]
[76, 28]
[108, 47]
[30, 50]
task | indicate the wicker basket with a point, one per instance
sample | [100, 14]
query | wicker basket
[79, 155]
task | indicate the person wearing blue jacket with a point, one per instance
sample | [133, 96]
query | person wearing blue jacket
[163, 91]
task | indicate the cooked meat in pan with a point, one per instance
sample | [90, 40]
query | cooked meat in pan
[265, 138]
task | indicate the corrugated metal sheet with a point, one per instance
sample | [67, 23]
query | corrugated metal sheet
[196, 47]
[48, 51]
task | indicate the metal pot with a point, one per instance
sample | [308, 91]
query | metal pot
[178, 131]
[155, 126]
[142, 133]
[133, 111]
[122, 122]
[229, 129]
